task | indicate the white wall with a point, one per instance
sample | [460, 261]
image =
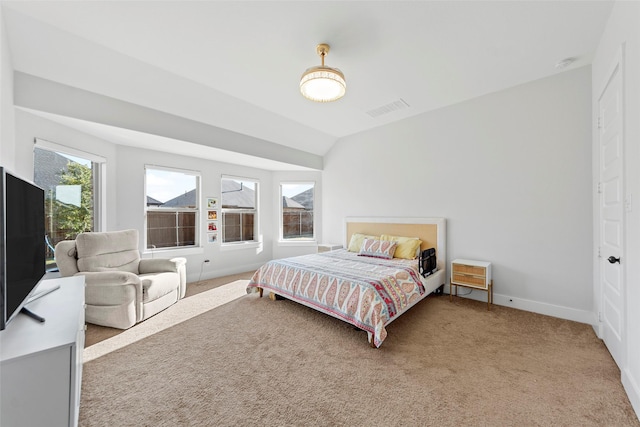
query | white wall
[45, 95]
[7, 142]
[623, 33]
[29, 126]
[129, 189]
[511, 173]
[125, 194]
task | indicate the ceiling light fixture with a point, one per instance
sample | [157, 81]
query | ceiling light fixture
[320, 83]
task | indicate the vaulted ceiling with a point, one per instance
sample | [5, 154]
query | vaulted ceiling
[236, 65]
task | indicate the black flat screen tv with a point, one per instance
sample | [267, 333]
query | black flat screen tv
[22, 243]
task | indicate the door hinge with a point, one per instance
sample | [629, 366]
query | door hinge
[599, 188]
[599, 316]
[599, 256]
[599, 124]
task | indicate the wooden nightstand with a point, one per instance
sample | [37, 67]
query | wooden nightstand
[471, 274]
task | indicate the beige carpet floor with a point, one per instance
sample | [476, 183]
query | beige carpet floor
[96, 334]
[256, 362]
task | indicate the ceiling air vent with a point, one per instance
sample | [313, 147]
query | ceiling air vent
[398, 105]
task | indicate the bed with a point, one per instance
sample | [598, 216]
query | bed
[361, 284]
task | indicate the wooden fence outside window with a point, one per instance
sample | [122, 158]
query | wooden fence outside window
[297, 224]
[170, 228]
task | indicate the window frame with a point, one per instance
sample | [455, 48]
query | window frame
[257, 241]
[197, 210]
[302, 240]
[98, 169]
[99, 166]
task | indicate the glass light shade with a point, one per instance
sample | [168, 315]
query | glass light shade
[323, 84]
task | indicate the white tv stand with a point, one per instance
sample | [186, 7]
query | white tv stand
[41, 363]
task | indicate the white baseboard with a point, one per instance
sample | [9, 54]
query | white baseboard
[206, 275]
[567, 313]
[633, 390]
[597, 328]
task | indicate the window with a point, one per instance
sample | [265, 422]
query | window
[297, 211]
[239, 209]
[171, 207]
[72, 194]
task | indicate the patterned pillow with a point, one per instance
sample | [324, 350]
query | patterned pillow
[355, 244]
[378, 248]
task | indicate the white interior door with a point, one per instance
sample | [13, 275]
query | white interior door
[611, 188]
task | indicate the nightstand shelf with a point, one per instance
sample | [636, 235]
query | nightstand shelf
[471, 274]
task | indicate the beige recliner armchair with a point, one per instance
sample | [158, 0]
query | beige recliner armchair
[121, 288]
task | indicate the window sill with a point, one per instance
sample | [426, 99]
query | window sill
[173, 252]
[302, 243]
[240, 245]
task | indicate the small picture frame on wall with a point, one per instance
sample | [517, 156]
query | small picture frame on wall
[212, 226]
[212, 203]
[212, 237]
[212, 215]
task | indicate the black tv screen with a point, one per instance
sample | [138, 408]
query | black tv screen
[22, 243]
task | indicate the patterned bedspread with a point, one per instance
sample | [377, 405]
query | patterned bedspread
[366, 292]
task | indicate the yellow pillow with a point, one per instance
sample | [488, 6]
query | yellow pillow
[356, 241]
[407, 246]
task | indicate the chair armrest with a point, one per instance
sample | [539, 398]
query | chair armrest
[173, 265]
[65, 255]
[160, 265]
[110, 278]
[99, 282]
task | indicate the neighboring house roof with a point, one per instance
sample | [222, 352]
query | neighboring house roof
[305, 198]
[289, 203]
[49, 166]
[153, 202]
[187, 199]
[236, 196]
[233, 196]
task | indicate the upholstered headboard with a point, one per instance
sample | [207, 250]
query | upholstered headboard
[432, 231]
